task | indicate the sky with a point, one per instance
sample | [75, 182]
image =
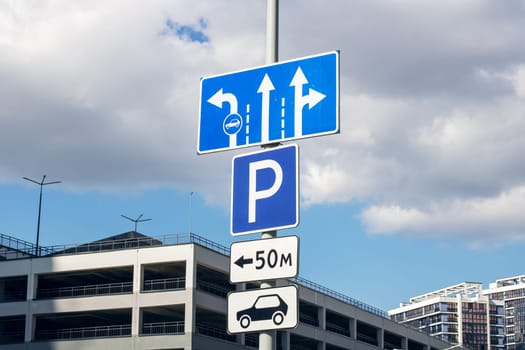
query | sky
[423, 188]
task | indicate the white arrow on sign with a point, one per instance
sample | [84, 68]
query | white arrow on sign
[313, 98]
[264, 259]
[218, 100]
[264, 89]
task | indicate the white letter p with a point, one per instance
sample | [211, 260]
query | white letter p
[253, 194]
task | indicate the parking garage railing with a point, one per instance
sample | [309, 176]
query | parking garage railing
[214, 332]
[312, 321]
[337, 329]
[85, 332]
[160, 328]
[213, 288]
[84, 291]
[336, 295]
[133, 243]
[12, 337]
[164, 284]
[14, 248]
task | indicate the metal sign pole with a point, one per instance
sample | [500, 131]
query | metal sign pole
[267, 340]
[272, 31]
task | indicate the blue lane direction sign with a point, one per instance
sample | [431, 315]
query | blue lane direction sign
[284, 101]
[265, 190]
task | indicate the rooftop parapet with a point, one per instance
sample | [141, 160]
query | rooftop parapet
[465, 289]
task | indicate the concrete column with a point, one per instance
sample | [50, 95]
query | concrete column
[321, 316]
[460, 319]
[285, 340]
[380, 338]
[404, 343]
[190, 312]
[31, 294]
[488, 325]
[136, 319]
[352, 324]
[2, 289]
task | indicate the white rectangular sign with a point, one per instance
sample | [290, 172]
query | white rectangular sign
[264, 259]
[263, 309]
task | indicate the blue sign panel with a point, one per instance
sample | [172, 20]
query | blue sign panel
[283, 101]
[265, 191]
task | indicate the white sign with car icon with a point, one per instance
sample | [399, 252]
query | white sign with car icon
[262, 309]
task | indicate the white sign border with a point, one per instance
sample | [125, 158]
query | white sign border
[262, 290]
[337, 129]
[265, 240]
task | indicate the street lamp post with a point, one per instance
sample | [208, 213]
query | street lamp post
[41, 184]
[191, 197]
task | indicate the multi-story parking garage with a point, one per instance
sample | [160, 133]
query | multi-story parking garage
[136, 292]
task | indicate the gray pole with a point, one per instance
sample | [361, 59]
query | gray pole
[191, 196]
[267, 340]
[272, 31]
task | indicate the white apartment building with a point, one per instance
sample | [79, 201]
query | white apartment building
[459, 314]
[511, 291]
[135, 292]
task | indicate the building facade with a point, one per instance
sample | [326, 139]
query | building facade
[136, 292]
[511, 291]
[459, 314]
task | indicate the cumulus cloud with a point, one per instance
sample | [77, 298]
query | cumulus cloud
[519, 81]
[105, 95]
[481, 220]
[102, 95]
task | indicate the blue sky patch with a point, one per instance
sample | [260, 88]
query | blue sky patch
[186, 32]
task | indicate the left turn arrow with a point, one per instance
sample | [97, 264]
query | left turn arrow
[242, 261]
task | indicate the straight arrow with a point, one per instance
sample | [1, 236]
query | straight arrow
[242, 261]
[264, 89]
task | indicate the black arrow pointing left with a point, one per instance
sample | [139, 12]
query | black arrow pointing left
[242, 261]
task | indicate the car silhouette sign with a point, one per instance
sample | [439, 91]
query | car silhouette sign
[266, 307]
[262, 309]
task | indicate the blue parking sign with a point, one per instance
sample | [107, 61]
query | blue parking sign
[265, 190]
